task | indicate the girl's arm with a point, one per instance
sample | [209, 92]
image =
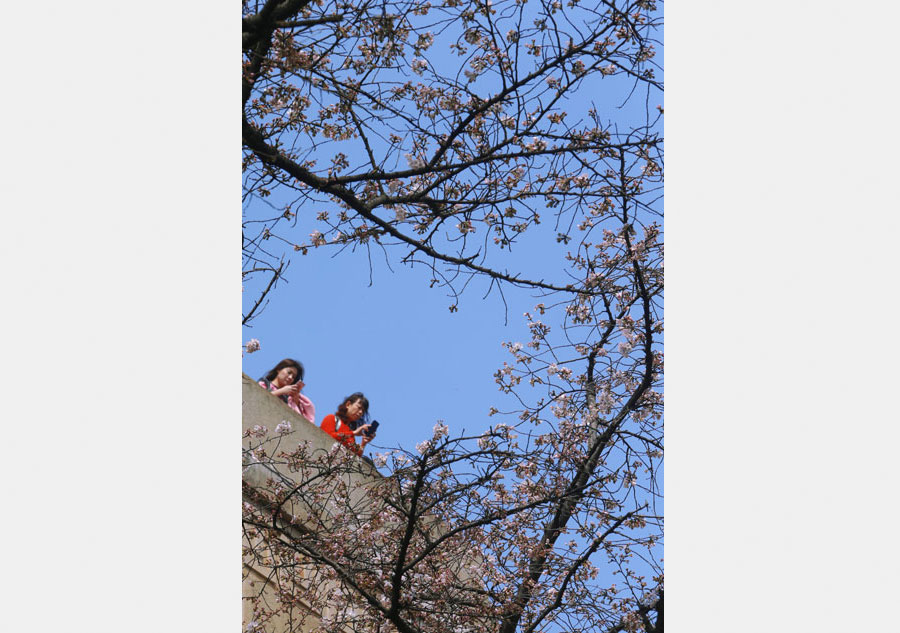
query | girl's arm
[328, 424]
[305, 406]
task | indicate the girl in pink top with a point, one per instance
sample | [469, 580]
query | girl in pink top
[285, 380]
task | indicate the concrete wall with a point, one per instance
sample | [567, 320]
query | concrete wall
[263, 409]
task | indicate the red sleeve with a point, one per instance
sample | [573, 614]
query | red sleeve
[328, 426]
[344, 435]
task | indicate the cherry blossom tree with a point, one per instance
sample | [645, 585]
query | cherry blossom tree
[446, 135]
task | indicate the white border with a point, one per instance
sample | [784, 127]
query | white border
[122, 401]
[781, 227]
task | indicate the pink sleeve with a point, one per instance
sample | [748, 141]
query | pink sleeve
[307, 408]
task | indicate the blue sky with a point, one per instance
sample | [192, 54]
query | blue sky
[395, 340]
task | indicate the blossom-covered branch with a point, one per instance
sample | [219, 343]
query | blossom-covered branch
[448, 134]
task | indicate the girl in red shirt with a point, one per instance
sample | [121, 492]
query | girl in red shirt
[349, 422]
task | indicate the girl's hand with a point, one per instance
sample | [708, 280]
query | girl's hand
[290, 390]
[362, 431]
[367, 437]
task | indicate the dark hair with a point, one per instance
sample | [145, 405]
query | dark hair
[287, 362]
[353, 397]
